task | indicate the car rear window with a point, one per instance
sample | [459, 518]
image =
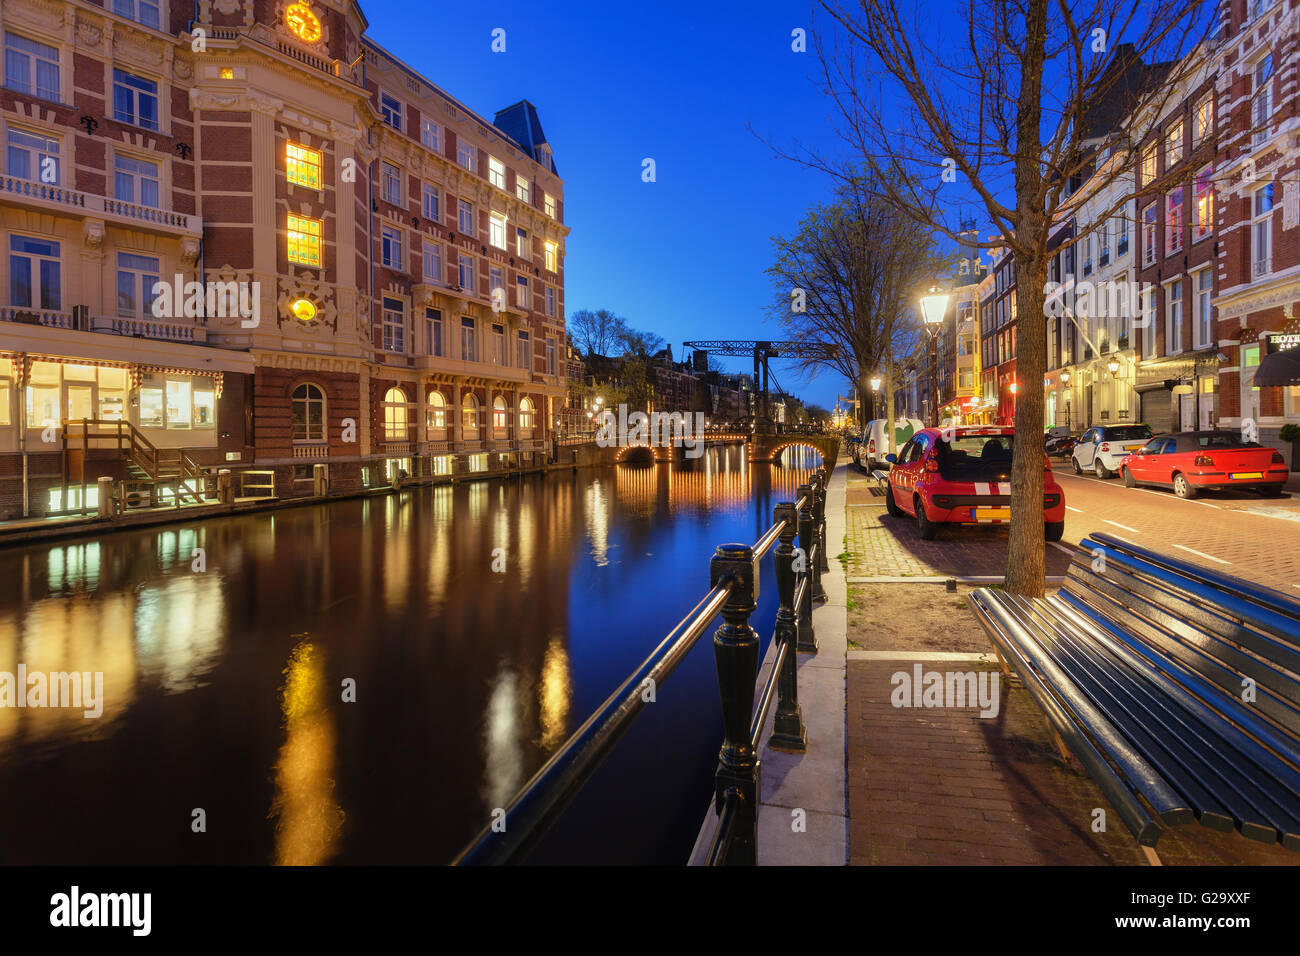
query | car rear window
[1224, 440]
[976, 458]
[1128, 433]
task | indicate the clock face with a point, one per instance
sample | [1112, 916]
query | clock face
[302, 22]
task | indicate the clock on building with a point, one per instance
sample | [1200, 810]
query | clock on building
[302, 23]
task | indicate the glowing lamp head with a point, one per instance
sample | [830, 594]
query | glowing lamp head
[1014, 388]
[304, 310]
[1113, 366]
[1065, 378]
[875, 383]
[934, 305]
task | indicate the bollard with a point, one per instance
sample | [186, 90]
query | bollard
[735, 652]
[225, 487]
[788, 731]
[807, 637]
[106, 501]
[815, 566]
[320, 484]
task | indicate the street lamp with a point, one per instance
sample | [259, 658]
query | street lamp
[1065, 378]
[1113, 365]
[934, 306]
[875, 395]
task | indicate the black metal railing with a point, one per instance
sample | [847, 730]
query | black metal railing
[733, 590]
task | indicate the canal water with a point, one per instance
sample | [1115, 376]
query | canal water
[365, 681]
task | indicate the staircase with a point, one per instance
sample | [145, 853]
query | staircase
[154, 476]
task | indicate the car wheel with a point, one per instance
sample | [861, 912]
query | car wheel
[1052, 530]
[924, 525]
[1078, 469]
[1184, 488]
[890, 504]
[1127, 475]
[1100, 470]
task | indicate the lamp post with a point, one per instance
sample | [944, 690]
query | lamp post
[875, 395]
[934, 306]
[1065, 381]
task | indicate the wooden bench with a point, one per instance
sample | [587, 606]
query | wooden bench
[1177, 687]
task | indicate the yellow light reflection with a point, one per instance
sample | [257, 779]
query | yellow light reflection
[309, 820]
[554, 693]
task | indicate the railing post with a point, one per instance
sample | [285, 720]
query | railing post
[788, 732]
[807, 636]
[821, 518]
[815, 565]
[735, 652]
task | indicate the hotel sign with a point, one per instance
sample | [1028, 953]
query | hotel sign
[1281, 341]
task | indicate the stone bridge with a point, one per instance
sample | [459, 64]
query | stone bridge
[762, 447]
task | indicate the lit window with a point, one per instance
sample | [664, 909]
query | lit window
[469, 415]
[1174, 145]
[1204, 118]
[1149, 235]
[435, 415]
[550, 256]
[521, 289]
[499, 414]
[1174, 221]
[1148, 165]
[1204, 205]
[548, 204]
[304, 240]
[522, 189]
[302, 165]
[465, 156]
[525, 247]
[496, 172]
[525, 414]
[396, 419]
[497, 230]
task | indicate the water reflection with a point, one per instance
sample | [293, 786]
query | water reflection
[468, 679]
[308, 820]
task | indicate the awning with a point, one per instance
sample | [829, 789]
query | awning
[1280, 368]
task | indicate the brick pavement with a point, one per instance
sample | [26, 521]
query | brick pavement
[943, 786]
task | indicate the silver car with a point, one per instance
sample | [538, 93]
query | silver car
[1102, 447]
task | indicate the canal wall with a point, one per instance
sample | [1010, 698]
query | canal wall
[803, 815]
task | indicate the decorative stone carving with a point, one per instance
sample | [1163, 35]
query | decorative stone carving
[1290, 204]
[89, 33]
[189, 251]
[182, 69]
[94, 234]
[305, 285]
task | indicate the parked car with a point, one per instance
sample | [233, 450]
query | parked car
[1060, 445]
[1191, 462]
[1101, 448]
[964, 480]
[877, 439]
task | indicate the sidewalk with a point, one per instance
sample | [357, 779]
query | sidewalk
[814, 782]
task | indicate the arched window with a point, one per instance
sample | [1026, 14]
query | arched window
[435, 416]
[396, 417]
[469, 415]
[525, 414]
[499, 409]
[308, 413]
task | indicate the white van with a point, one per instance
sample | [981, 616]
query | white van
[876, 444]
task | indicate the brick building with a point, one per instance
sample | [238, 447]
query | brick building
[242, 234]
[1257, 295]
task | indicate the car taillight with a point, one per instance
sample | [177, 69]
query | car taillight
[1104, 446]
[1278, 459]
[1203, 461]
[871, 446]
[931, 465]
[1051, 500]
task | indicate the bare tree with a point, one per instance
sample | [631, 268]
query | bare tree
[847, 280]
[1005, 110]
[596, 333]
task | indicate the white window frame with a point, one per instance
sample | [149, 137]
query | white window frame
[548, 204]
[430, 134]
[1261, 100]
[523, 243]
[135, 116]
[464, 210]
[550, 301]
[465, 277]
[1261, 232]
[137, 179]
[1202, 308]
[430, 202]
[434, 341]
[1174, 317]
[394, 324]
[434, 270]
[36, 258]
[467, 156]
[29, 85]
[523, 189]
[35, 154]
[496, 172]
[468, 339]
[523, 294]
[142, 281]
[390, 183]
[497, 230]
[392, 109]
[1174, 230]
[552, 262]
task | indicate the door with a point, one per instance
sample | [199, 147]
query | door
[81, 402]
[1186, 413]
[1086, 450]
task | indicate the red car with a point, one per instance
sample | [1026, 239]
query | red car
[963, 476]
[1191, 462]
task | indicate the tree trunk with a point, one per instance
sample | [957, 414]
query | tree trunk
[1027, 549]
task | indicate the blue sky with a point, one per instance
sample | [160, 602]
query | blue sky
[616, 83]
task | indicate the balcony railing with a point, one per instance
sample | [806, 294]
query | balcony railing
[1261, 267]
[143, 328]
[50, 196]
[311, 450]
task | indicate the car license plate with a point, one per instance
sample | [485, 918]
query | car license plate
[992, 514]
[1131, 447]
[1246, 474]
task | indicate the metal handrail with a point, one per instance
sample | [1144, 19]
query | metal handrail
[517, 828]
